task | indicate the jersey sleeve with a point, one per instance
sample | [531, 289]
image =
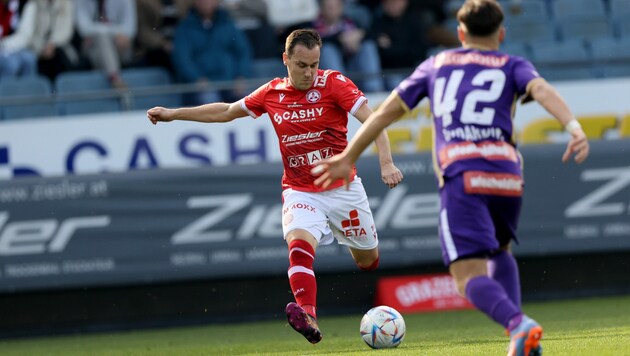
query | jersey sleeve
[416, 86]
[254, 103]
[524, 73]
[349, 97]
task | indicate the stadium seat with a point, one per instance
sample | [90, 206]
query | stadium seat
[25, 87]
[530, 30]
[585, 28]
[573, 9]
[610, 49]
[268, 68]
[560, 73]
[84, 82]
[517, 49]
[611, 56]
[573, 51]
[622, 27]
[153, 77]
[615, 70]
[535, 9]
[620, 8]
[563, 60]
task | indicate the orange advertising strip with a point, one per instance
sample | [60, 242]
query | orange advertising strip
[420, 293]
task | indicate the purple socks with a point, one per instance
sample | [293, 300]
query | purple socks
[502, 268]
[490, 298]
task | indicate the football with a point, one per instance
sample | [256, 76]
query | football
[382, 327]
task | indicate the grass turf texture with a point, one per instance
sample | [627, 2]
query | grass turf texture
[598, 326]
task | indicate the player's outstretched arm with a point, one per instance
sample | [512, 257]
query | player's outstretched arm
[551, 100]
[214, 112]
[340, 166]
[390, 174]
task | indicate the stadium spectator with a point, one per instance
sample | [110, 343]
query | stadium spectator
[399, 35]
[313, 127]
[285, 16]
[157, 20]
[208, 47]
[108, 29]
[359, 13]
[472, 91]
[348, 45]
[433, 14]
[251, 17]
[16, 59]
[52, 26]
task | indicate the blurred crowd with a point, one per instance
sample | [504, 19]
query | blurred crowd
[200, 41]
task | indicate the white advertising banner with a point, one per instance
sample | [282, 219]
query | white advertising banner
[123, 141]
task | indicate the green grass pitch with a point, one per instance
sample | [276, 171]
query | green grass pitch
[597, 326]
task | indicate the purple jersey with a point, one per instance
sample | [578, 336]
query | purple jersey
[473, 94]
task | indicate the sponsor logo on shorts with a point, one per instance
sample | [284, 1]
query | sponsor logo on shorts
[352, 226]
[504, 184]
[302, 206]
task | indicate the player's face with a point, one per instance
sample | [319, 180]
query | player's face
[302, 66]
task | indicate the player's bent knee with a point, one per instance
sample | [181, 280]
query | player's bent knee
[366, 260]
[370, 266]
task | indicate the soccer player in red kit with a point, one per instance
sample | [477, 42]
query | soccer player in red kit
[309, 112]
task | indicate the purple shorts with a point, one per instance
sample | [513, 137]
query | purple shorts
[479, 213]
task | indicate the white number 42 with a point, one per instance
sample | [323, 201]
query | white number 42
[445, 97]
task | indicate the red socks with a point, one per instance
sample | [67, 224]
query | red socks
[301, 275]
[371, 267]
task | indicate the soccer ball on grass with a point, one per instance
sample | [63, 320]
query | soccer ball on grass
[382, 327]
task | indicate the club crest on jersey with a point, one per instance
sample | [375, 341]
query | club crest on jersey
[313, 96]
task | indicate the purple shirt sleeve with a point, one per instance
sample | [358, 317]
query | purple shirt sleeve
[416, 86]
[523, 73]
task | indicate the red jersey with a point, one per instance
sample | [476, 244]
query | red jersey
[311, 124]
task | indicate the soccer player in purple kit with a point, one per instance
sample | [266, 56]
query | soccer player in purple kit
[472, 91]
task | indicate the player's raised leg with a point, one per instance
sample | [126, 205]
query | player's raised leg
[367, 260]
[353, 224]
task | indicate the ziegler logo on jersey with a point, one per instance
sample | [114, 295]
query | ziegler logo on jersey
[309, 158]
[302, 138]
[303, 115]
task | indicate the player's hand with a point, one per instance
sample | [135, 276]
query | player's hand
[578, 145]
[159, 113]
[332, 169]
[391, 175]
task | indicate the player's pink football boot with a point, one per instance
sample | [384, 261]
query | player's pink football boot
[303, 323]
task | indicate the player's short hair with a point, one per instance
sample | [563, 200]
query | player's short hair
[308, 38]
[481, 17]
